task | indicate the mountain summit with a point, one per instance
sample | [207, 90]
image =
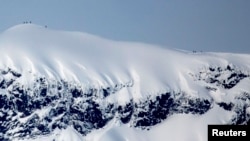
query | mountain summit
[58, 85]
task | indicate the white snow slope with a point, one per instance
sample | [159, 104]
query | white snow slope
[93, 61]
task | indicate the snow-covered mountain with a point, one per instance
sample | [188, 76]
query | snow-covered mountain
[72, 86]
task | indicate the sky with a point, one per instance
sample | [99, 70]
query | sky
[201, 25]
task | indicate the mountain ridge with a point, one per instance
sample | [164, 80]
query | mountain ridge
[56, 81]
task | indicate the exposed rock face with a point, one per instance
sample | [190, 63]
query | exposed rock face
[226, 78]
[32, 110]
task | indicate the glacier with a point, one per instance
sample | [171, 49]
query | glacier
[66, 85]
